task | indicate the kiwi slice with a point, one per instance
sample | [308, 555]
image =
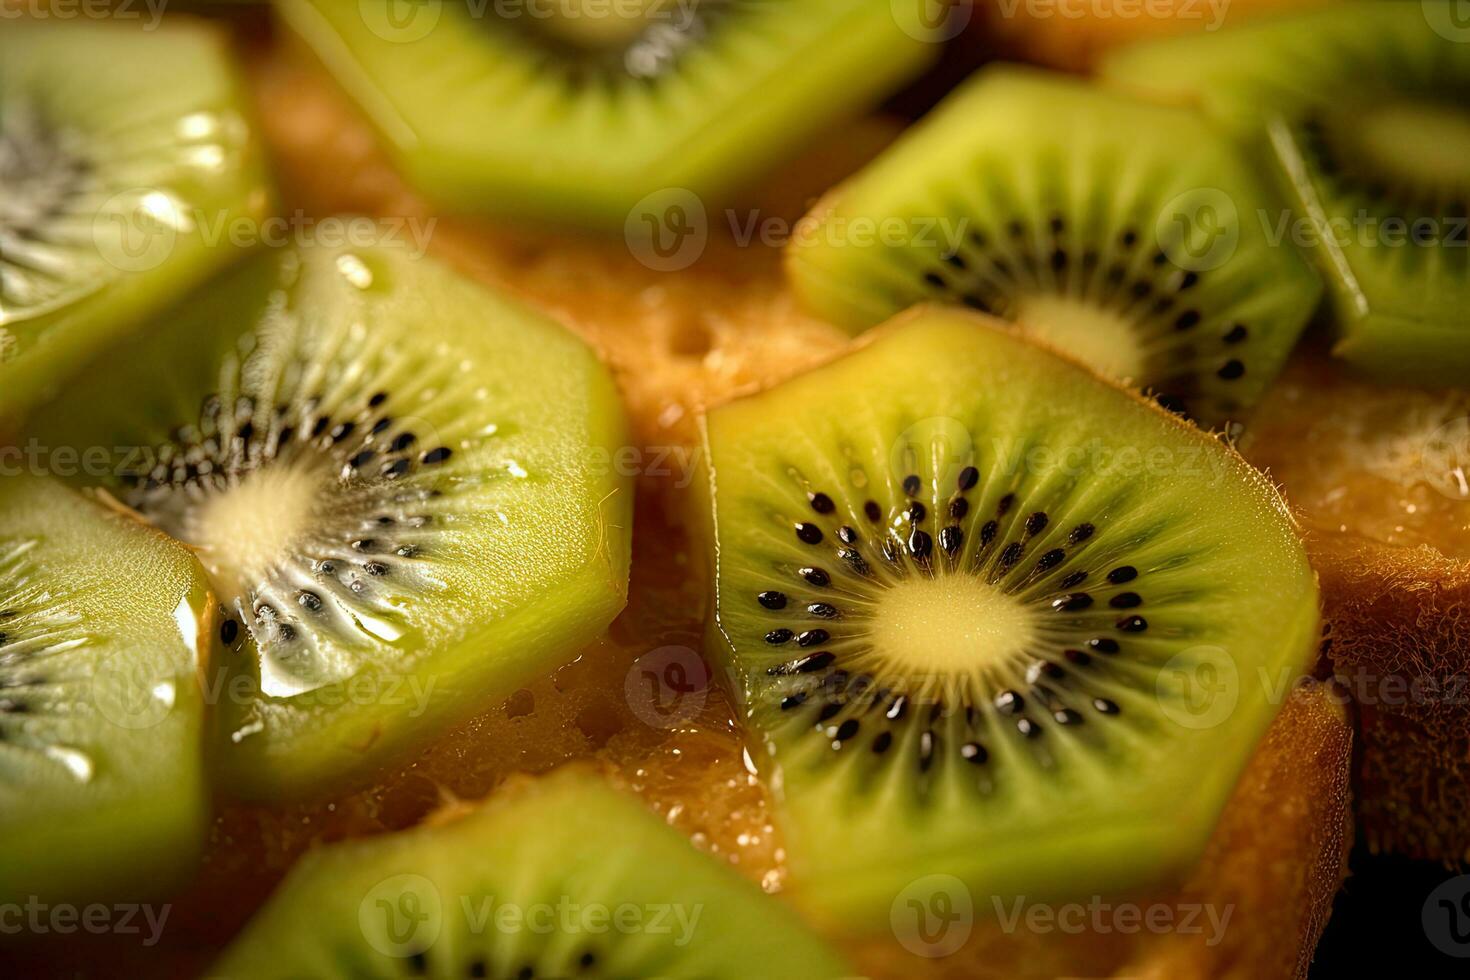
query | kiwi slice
[102, 627]
[125, 158]
[990, 616]
[556, 111]
[400, 486]
[1121, 233]
[1364, 112]
[557, 877]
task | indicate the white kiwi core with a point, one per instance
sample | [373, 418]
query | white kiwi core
[1105, 340]
[241, 534]
[954, 625]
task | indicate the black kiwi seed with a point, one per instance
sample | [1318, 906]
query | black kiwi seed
[1133, 624]
[950, 539]
[1004, 504]
[229, 631]
[1010, 554]
[375, 568]
[916, 512]
[381, 426]
[854, 559]
[365, 545]
[377, 399]
[969, 477]
[1235, 334]
[987, 532]
[959, 507]
[847, 535]
[911, 485]
[1051, 559]
[1126, 600]
[829, 711]
[777, 637]
[1010, 702]
[1074, 579]
[822, 610]
[808, 533]
[1231, 370]
[1123, 573]
[813, 638]
[921, 545]
[343, 431]
[320, 426]
[816, 576]
[974, 753]
[361, 459]
[1186, 320]
[407, 551]
[772, 600]
[1105, 706]
[1081, 533]
[1027, 727]
[1071, 602]
[882, 742]
[1102, 644]
[934, 279]
[846, 730]
[822, 504]
[403, 441]
[793, 701]
[395, 469]
[1066, 716]
[871, 511]
[310, 601]
[438, 455]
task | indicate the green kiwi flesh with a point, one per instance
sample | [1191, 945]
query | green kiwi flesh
[578, 118]
[1122, 234]
[124, 152]
[989, 616]
[401, 487]
[103, 623]
[527, 886]
[1363, 111]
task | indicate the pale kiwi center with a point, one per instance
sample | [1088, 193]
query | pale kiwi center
[954, 625]
[242, 534]
[1420, 142]
[1104, 340]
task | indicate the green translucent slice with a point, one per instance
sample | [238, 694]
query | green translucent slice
[1081, 216]
[1363, 110]
[127, 167]
[561, 877]
[102, 621]
[541, 112]
[992, 618]
[399, 483]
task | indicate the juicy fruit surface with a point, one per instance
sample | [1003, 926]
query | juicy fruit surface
[1072, 213]
[402, 488]
[101, 761]
[700, 97]
[1130, 610]
[121, 151]
[1363, 108]
[534, 849]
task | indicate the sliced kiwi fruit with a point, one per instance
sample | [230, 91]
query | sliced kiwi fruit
[989, 616]
[125, 160]
[103, 624]
[1121, 233]
[577, 112]
[400, 486]
[558, 877]
[1363, 111]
